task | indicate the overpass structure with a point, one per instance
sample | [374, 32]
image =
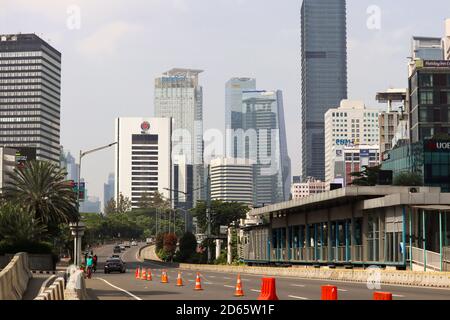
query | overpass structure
[402, 227]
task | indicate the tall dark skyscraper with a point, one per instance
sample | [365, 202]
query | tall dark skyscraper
[324, 76]
[30, 89]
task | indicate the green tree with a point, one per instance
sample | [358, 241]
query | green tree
[367, 177]
[188, 245]
[18, 225]
[411, 179]
[41, 188]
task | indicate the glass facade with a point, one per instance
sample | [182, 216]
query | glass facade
[265, 143]
[324, 75]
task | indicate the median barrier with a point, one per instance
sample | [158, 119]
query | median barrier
[76, 287]
[14, 278]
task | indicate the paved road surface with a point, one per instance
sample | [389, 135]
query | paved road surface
[220, 286]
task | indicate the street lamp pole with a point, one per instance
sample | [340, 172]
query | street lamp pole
[77, 249]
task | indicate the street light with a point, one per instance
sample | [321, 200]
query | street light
[78, 227]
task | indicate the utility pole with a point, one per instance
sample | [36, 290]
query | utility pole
[208, 212]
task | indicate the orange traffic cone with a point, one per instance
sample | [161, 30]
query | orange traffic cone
[136, 274]
[143, 274]
[179, 280]
[198, 283]
[239, 292]
[149, 275]
[164, 278]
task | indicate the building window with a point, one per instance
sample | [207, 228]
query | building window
[426, 80]
[426, 97]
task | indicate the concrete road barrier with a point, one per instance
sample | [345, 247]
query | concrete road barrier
[76, 287]
[14, 278]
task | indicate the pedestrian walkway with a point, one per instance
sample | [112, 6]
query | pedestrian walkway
[34, 286]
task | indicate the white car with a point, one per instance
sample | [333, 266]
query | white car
[134, 243]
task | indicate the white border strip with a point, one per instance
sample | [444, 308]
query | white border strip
[120, 289]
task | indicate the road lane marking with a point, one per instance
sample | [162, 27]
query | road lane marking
[298, 285]
[120, 289]
[254, 290]
[225, 285]
[300, 298]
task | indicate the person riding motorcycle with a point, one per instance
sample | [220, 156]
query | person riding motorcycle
[89, 265]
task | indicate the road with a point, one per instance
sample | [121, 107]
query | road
[221, 286]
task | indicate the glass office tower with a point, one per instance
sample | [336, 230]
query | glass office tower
[265, 143]
[324, 75]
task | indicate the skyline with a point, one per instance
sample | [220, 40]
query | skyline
[88, 63]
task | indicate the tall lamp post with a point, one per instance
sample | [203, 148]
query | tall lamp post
[78, 227]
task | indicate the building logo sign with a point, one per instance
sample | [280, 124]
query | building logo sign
[437, 146]
[145, 126]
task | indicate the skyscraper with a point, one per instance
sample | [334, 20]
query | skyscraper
[233, 108]
[265, 143]
[30, 85]
[179, 96]
[324, 75]
[108, 189]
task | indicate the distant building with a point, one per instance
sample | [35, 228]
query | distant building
[447, 40]
[392, 122]
[234, 89]
[90, 205]
[108, 189]
[308, 188]
[232, 180]
[427, 48]
[179, 96]
[30, 94]
[324, 75]
[7, 164]
[142, 158]
[263, 140]
[352, 124]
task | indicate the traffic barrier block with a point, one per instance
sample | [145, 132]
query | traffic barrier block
[329, 293]
[382, 296]
[268, 289]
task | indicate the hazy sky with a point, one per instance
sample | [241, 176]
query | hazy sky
[111, 60]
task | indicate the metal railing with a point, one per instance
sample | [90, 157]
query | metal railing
[433, 259]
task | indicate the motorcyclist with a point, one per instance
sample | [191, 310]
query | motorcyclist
[94, 258]
[89, 265]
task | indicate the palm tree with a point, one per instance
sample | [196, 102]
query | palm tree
[42, 189]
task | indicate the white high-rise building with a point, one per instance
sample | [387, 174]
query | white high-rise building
[447, 39]
[143, 157]
[232, 180]
[179, 96]
[351, 124]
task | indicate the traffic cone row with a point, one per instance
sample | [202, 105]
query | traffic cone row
[144, 274]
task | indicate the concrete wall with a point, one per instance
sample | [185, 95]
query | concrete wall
[54, 292]
[76, 286]
[14, 278]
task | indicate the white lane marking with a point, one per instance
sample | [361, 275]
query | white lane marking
[298, 285]
[225, 285]
[301, 298]
[398, 295]
[343, 290]
[254, 290]
[120, 289]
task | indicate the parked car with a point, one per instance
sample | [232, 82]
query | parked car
[115, 264]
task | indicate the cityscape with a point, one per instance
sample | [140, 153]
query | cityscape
[195, 151]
